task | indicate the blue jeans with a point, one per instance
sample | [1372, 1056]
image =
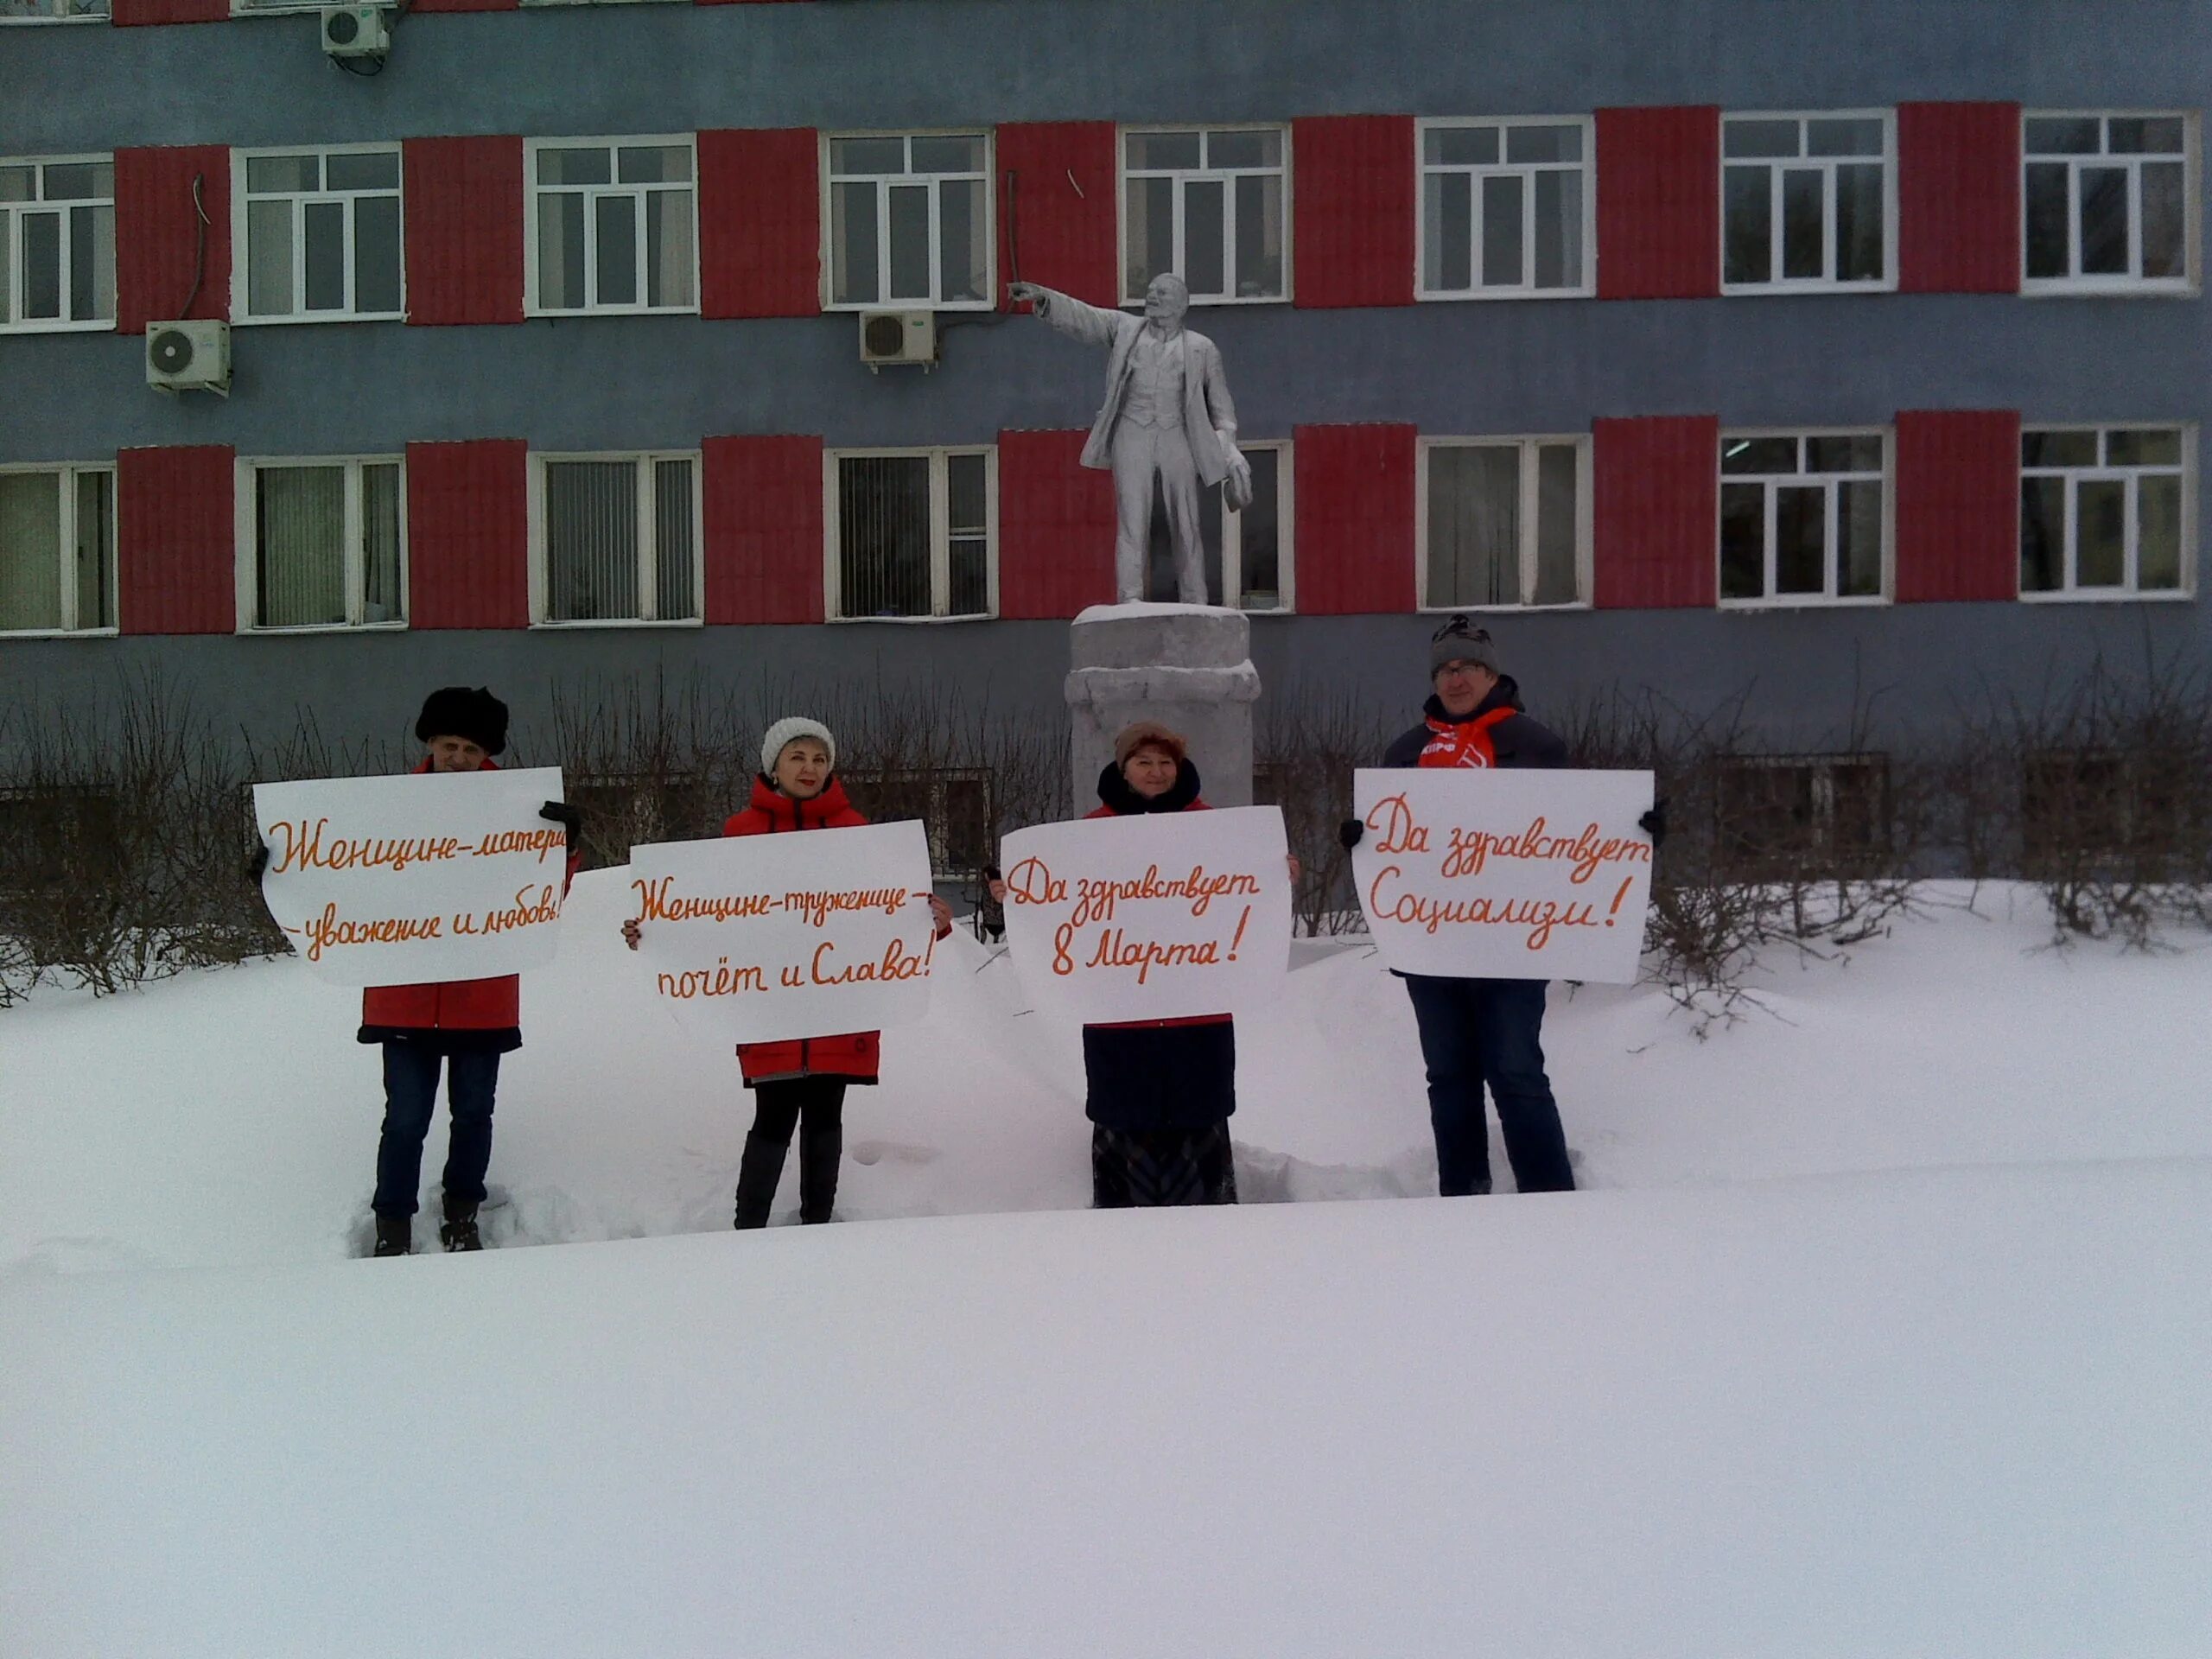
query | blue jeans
[1486, 1031]
[410, 1094]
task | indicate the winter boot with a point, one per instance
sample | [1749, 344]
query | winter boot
[395, 1235]
[758, 1173]
[820, 1151]
[459, 1232]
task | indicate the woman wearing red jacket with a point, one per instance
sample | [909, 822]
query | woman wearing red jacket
[799, 1084]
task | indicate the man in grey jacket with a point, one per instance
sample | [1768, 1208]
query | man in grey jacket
[1167, 415]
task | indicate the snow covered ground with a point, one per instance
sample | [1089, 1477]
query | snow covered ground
[1883, 1327]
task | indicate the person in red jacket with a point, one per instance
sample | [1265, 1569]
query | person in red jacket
[799, 1086]
[462, 1025]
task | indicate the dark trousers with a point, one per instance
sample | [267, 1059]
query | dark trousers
[1487, 1031]
[410, 1095]
[813, 1106]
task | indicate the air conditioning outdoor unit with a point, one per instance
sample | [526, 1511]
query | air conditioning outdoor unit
[898, 337]
[189, 357]
[355, 32]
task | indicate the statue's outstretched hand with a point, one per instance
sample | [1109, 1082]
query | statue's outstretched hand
[1028, 291]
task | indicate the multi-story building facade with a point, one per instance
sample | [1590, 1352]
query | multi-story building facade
[1816, 350]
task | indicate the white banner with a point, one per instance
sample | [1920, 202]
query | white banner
[769, 938]
[1489, 874]
[1156, 916]
[417, 878]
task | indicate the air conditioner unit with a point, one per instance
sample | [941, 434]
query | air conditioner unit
[189, 357]
[898, 337]
[355, 32]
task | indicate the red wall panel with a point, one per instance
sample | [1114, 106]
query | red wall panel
[1957, 512]
[466, 5]
[464, 229]
[468, 534]
[759, 223]
[176, 539]
[1354, 539]
[157, 235]
[1659, 203]
[1352, 218]
[1058, 208]
[1959, 198]
[1056, 526]
[1657, 506]
[763, 529]
[124, 14]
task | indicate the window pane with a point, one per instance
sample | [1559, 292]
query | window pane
[2058, 448]
[73, 181]
[325, 231]
[1205, 227]
[380, 543]
[1447, 260]
[30, 550]
[1853, 454]
[1562, 144]
[1858, 224]
[1803, 232]
[2048, 220]
[42, 234]
[1858, 530]
[868, 155]
[653, 164]
[883, 533]
[376, 254]
[560, 252]
[967, 517]
[1163, 149]
[2151, 448]
[910, 242]
[616, 227]
[1259, 236]
[283, 173]
[91, 262]
[2043, 535]
[1758, 138]
[1502, 253]
[2157, 532]
[1750, 239]
[2125, 135]
[268, 259]
[963, 246]
[574, 166]
[854, 256]
[1150, 230]
[1244, 149]
[2064, 136]
[18, 184]
[367, 170]
[1843, 138]
[2163, 135]
[1759, 456]
[1259, 535]
[968, 572]
[591, 540]
[95, 550]
[1800, 538]
[1557, 465]
[965, 508]
[675, 542]
[2100, 533]
[2103, 221]
[668, 247]
[1474, 525]
[2163, 217]
[1559, 230]
[300, 545]
[961, 155]
[1743, 541]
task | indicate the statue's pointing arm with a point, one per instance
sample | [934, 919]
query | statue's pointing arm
[1069, 315]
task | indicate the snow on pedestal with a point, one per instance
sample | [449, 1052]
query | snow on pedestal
[1187, 666]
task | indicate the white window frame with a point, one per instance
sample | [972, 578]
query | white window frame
[70, 472]
[648, 540]
[940, 532]
[11, 242]
[1182, 175]
[1232, 536]
[1827, 164]
[1585, 501]
[2070, 593]
[2190, 282]
[272, 8]
[1587, 168]
[532, 282]
[247, 501]
[240, 220]
[936, 301]
[1828, 599]
[99, 16]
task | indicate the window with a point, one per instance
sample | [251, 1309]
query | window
[1504, 208]
[2102, 805]
[47, 11]
[320, 230]
[613, 228]
[618, 539]
[1807, 201]
[2103, 511]
[913, 533]
[1779, 811]
[909, 221]
[1247, 553]
[1207, 204]
[2109, 202]
[50, 835]
[1505, 522]
[322, 545]
[1801, 518]
[622, 809]
[57, 235]
[953, 804]
[57, 550]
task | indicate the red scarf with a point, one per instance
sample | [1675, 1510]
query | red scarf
[1463, 743]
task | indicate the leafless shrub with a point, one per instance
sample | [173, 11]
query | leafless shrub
[1308, 744]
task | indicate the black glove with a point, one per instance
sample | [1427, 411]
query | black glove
[1349, 831]
[567, 817]
[259, 861]
[1654, 824]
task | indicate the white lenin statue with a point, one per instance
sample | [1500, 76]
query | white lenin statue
[1167, 415]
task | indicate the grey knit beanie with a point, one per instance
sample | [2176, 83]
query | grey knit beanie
[789, 730]
[1458, 642]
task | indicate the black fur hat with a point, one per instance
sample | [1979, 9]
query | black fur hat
[456, 711]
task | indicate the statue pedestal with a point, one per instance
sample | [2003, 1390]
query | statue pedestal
[1187, 666]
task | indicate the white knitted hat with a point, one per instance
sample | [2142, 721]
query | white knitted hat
[788, 731]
